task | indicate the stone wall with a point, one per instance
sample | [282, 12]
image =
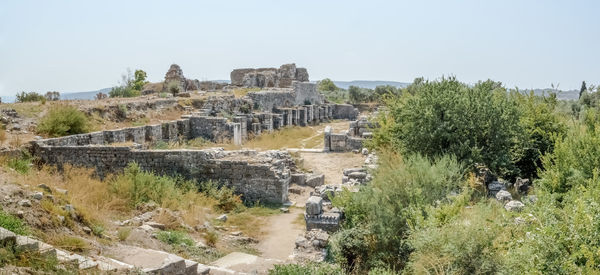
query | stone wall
[345, 111]
[269, 77]
[215, 129]
[342, 142]
[301, 93]
[257, 176]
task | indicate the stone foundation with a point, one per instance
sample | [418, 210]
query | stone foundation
[257, 176]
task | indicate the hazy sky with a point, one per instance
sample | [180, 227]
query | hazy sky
[73, 46]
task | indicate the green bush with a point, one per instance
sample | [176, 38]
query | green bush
[227, 200]
[12, 223]
[327, 85]
[378, 217]
[30, 97]
[140, 187]
[63, 121]
[124, 91]
[462, 244]
[175, 238]
[574, 162]
[541, 126]
[311, 268]
[20, 164]
[477, 124]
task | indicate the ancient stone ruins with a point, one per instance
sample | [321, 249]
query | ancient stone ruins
[278, 98]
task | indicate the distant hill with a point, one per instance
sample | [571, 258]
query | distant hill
[562, 95]
[83, 95]
[369, 84]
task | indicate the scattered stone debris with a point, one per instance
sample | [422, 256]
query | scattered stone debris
[311, 246]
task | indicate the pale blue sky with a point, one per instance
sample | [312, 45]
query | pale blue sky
[86, 45]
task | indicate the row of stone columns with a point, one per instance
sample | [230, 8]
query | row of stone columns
[258, 123]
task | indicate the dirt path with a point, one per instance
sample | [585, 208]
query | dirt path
[281, 235]
[331, 164]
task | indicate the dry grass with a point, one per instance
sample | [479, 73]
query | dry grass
[291, 137]
[251, 221]
[92, 199]
[70, 243]
[244, 91]
[2, 136]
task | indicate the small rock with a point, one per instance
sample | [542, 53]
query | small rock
[519, 220]
[200, 244]
[20, 214]
[45, 188]
[50, 197]
[284, 210]
[61, 218]
[222, 218]
[514, 206]
[156, 225]
[38, 196]
[69, 208]
[236, 233]
[355, 151]
[147, 228]
[503, 196]
[87, 230]
[25, 203]
[365, 151]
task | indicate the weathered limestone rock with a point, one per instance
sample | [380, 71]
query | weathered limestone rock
[7, 238]
[314, 205]
[315, 180]
[494, 187]
[298, 178]
[503, 196]
[522, 185]
[514, 205]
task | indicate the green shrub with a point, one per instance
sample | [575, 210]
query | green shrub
[12, 223]
[174, 87]
[310, 268]
[326, 85]
[477, 124]
[462, 244]
[541, 126]
[123, 91]
[226, 199]
[378, 217]
[62, 121]
[20, 164]
[175, 238]
[140, 187]
[30, 97]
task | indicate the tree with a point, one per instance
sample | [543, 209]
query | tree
[385, 90]
[583, 89]
[131, 86]
[52, 96]
[327, 85]
[477, 124]
[139, 80]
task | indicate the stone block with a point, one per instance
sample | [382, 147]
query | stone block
[314, 205]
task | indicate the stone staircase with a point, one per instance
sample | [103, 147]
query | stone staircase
[146, 261]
